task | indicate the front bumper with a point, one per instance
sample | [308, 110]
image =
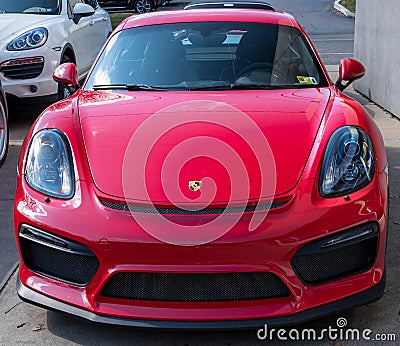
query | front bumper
[366, 297]
[40, 86]
[122, 246]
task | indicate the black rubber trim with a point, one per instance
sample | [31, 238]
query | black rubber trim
[205, 211]
[368, 296]
[44, 238]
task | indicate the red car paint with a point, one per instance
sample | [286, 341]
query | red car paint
[304, 114]
[297, 124]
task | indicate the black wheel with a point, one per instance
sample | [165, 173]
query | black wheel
[143, 6]
[3, 131]
[62, 91]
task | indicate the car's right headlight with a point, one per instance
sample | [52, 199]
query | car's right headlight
[348, 163]
[49, 167]
[29, 40]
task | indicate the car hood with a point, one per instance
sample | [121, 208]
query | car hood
[14, 24]
[163, 146]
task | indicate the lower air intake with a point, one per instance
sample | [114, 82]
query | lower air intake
[57, 257]
[204, 287]
[343, 254]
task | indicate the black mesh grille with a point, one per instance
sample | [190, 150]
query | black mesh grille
[205, 211]
[62, 265]
[204, 287]
[326, 265]
[23, 71]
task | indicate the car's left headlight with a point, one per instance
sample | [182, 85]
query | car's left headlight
[29, 40]
[49, 167]
[348, 163]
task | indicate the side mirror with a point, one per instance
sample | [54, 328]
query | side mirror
[81, 10]
[67, 75]
[349, 70]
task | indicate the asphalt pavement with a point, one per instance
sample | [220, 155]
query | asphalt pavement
[21, 117]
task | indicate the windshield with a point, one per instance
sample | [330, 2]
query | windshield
[30, 6]
[206, 56]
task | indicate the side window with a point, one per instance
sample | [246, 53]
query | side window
[293, 63]
[71, 4]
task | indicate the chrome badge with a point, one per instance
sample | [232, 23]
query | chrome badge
[194, 185]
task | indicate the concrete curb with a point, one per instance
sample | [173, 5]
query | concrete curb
[8, 277]
[343, 10]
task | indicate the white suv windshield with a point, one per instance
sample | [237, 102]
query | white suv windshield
[208, 55]
[30, 6]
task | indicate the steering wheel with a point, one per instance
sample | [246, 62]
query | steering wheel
[253, 67]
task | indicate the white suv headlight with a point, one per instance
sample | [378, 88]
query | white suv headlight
[49, 167]
[29, 40]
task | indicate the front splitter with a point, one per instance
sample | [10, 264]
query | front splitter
[365, 297]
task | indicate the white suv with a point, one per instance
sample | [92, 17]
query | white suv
[37, 35]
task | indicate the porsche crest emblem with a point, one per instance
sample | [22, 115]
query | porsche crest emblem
[194, 185]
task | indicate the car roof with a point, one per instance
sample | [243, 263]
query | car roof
[231, 4]
[210, 15]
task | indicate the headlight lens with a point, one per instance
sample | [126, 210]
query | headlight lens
[348, 162]
[49, 164]
[29, 40]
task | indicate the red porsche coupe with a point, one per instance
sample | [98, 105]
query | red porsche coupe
[207, 174]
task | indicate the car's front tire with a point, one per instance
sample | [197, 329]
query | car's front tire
[3, 131]
[143, 6]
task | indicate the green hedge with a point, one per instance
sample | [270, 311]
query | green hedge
[117, 18]
[349, 4]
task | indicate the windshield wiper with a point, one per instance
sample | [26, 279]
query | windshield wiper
[129, 87]
[263, 87]
[251, 87]
[232, 87]
[210, 87]
[144, 87]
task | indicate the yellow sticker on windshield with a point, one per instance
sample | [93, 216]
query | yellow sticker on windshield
[306, 80]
